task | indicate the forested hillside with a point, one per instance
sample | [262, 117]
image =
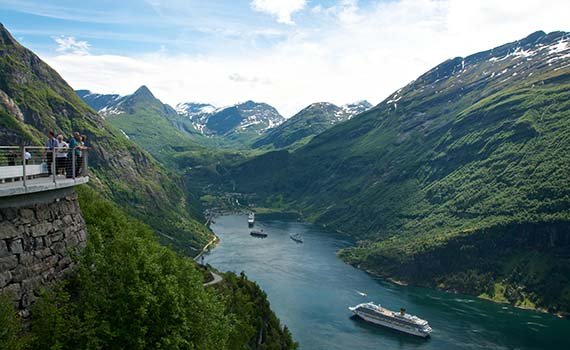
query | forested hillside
[130, 292]
[458, 180]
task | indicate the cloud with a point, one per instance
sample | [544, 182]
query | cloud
[378, 49]
[345, 11]
[281, 9]
[70, 45]
[238, 78]
[67, 10]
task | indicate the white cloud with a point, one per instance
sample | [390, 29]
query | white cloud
[70, 45]
[282, 9]
[368, 55]
[238, 78]
[345, 11]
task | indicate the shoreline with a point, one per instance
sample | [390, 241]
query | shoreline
[214, 241]
[401, 283]
[479, 297]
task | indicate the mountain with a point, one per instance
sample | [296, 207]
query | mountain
[153, 125]
[111, 104]
[356, 108]
[459, 180]
[34, 99]
[97, 101]
[145, 119]
[240, 123]
[308, 123]
[243, 118]
[197, 113]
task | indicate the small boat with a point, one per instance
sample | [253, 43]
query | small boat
[297, 237]
[251, 219]
[257, 233]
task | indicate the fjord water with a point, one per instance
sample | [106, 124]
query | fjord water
[310, 290]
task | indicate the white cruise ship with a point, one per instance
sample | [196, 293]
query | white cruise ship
[400, 321]
[251, 219]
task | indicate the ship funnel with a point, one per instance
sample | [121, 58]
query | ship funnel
[402, 311]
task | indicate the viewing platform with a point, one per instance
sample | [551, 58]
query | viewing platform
[26, 170]
[42, 226]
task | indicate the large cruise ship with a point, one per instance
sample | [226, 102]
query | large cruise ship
[400, 321]
[251, 219]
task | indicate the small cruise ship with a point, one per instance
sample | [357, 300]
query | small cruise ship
[257, 233]
[400, 321]
[297, 237]
[251, 219]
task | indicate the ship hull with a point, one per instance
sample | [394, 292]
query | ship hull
[408, 330]
[259, 235]
[298, 240]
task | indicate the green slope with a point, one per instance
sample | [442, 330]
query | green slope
[35, 99]
[154, 126]
[129, 292]
[302, 127]
[474, 153]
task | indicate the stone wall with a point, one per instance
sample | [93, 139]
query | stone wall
[38, 235]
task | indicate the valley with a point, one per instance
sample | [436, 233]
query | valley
[135, 275]
[310, 288]
[465, 163]
[457, 182]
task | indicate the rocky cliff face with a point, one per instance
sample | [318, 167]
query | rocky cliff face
[39, 233]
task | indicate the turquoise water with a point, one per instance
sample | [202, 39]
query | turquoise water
[310, 290]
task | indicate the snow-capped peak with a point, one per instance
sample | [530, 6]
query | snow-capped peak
[355, 108]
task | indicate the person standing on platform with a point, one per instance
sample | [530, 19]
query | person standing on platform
[74, 155]
[51, 145]
[60, 155]
[81, 160]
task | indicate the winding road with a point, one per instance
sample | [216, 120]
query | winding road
[217, 279]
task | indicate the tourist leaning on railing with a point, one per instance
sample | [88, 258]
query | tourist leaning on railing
[74, 156]
[54, 159]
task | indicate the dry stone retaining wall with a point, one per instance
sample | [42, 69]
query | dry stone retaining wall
[38, 235]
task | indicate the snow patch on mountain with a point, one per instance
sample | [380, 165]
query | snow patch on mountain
[251, 116]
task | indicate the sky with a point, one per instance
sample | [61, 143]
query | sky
[288, 53]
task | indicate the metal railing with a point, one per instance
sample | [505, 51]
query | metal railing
[26, 163]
